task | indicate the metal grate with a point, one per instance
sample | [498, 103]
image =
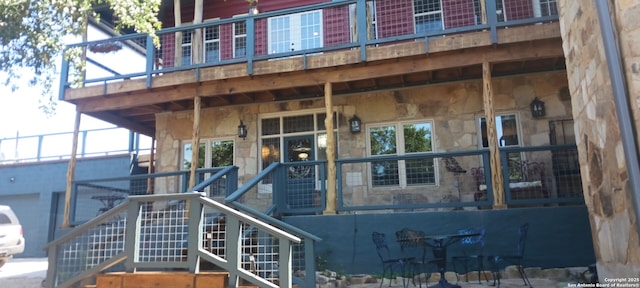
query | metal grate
[90, 248]
[163, 234]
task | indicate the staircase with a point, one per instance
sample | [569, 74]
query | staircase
[150, 241]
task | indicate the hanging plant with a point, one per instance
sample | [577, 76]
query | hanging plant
[105, 47]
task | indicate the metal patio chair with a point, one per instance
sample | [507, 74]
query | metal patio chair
[498, 262]
[472, 252]
[413, 242]
[389, 263]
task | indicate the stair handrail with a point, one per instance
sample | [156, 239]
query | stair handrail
[309, 239]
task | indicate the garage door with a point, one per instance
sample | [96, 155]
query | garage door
[35, 224]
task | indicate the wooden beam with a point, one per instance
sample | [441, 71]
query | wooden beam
[177, 15]
[71, 172]
[196, 42]
[151, 168]
[195, 141]
[495, 163]
[331, 164]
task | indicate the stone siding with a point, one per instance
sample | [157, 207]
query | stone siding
[605, 179]
[454, 109]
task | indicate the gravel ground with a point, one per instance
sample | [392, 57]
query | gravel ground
[23, 273]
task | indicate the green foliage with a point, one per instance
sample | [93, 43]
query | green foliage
[32, 35]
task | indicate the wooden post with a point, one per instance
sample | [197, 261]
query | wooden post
[195, 139]
[177, 58]
[71, 172]
[331, 164]
[196, 41]
[151, 168]
[494, 156]
[483, 12]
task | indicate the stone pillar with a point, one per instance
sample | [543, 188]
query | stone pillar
[605, 180]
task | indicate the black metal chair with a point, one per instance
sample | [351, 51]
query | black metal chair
[413, 242]
[389, 263]
[498, 262]
[472, 252]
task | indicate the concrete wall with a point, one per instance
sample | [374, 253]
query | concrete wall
[605, 179]
[557, 237]
[31, 193]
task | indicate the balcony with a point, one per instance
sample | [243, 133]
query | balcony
[238, 63]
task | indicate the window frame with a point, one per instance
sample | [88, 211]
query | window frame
[294, 31]
[266, 188]
[423, 14]
[519, 156]
[236, 37]
[214, 41]
[400, 151]
[208, 146]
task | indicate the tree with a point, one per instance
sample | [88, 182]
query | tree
[32, 34]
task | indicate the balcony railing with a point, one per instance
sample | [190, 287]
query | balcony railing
[339, 26]
[57, 146]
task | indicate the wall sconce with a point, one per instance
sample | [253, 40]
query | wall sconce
[253, 7]
[537, 108]
[242, 130]
[355, 125]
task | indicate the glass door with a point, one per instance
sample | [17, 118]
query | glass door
[295, 32]
[300, 176]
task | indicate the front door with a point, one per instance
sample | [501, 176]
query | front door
[300, 176]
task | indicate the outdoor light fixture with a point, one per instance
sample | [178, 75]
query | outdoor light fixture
[253, 7]
[355, 125]
[242, 130]
[537, 108]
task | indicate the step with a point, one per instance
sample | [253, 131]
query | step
[162, 279]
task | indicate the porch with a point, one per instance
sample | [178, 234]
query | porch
[338, 242]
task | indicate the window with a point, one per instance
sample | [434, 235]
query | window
[211, 44]
[211, 153]
[295, 32]
[508, 133]
[427, 15]
[186, 48]
[548, 7]
[275, 129]
[239, 39]
[401, 139]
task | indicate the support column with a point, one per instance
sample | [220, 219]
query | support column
[331, 164]
[494, 155]
[177, 57]
[71, 171]
[195, 140]
[151, 168]
[196, 41]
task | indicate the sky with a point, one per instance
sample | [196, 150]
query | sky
[20, 113]
[21, 116]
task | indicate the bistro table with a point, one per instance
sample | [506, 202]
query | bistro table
[439, 244]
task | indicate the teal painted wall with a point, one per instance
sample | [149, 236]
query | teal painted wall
[558, 236]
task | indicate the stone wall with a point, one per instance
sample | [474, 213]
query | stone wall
[454, 109]
[604, 172]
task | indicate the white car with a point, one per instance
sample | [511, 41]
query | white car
[11, 238]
